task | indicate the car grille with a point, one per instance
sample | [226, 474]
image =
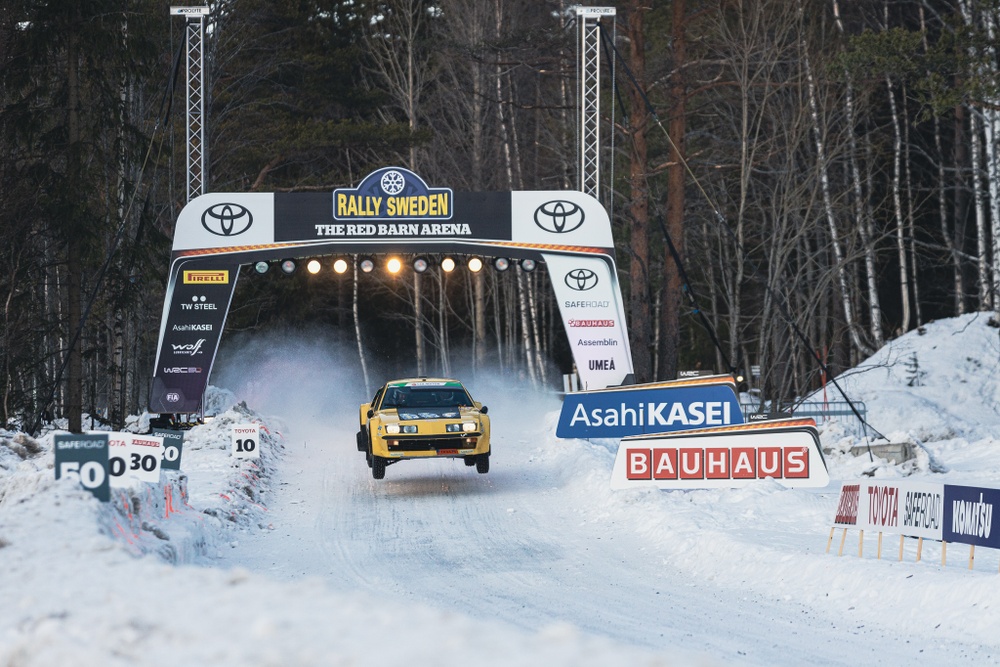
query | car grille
[425, 444]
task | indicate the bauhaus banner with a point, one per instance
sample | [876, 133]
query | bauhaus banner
[392, 210]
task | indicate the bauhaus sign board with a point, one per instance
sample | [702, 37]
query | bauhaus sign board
[786, 451]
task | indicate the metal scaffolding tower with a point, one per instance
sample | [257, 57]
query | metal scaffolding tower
[194, 51]
[588, 46]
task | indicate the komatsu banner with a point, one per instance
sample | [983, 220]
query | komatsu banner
[392, 210]
[786, 451]
[661, 407]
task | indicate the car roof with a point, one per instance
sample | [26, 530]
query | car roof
[425, 382]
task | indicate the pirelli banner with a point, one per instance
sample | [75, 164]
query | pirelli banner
[391, 211]
[942, 512]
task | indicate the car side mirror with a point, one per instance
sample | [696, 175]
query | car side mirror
[371, 413]
[484, 409]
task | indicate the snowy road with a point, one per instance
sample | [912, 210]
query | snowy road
[532, 545]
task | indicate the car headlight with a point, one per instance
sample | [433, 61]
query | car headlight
[409, 428]
[452, 428]
[393, 429]
[469, 426]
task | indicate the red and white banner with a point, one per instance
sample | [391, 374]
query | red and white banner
[724, 457]
[899, 507]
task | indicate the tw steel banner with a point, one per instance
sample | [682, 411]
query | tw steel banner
[198, 295]
[787, 451]
[660, 407]
[391, 210]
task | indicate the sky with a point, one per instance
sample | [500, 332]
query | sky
[301, 558]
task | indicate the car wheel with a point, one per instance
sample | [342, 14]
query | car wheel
[483, 464]
[470, 460]
[378, 467]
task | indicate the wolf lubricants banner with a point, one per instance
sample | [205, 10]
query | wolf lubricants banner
[392, 210]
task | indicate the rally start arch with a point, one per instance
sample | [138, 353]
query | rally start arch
[391, 211]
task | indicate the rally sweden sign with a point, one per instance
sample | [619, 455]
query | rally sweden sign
[652, 408]
[392, 193]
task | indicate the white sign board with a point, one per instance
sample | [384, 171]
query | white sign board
[245, 441]
[723, 457]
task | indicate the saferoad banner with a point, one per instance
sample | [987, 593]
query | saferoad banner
[392, 210]
[587, 289]
[787, 451]
[899, 507]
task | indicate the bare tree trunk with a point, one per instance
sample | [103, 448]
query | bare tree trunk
[357, 331]
[418, 325]
[910, 222]
[897, 153]
[529, 354]
[639, 278]
[676, 129]
[845, 294]
[861, 208]
[74, 310]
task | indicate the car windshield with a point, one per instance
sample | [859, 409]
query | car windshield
[431, 397]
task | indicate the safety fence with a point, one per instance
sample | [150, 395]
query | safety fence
[823, 412]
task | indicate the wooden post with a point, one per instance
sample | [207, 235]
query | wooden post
[900, 548]
[843, 537]
[861, 542]
[972, 554]
[880, 545]
[944, 553]
[829, 540]
[920, 547]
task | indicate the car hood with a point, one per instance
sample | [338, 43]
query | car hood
[413, 414]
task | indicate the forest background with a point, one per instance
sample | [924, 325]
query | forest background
[827, 172]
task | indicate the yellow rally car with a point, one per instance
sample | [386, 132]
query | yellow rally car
[424, 418]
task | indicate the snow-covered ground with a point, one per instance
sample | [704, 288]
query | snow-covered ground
[300, 558]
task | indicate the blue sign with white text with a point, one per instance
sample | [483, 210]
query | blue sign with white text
[617, 413]
[968, 515]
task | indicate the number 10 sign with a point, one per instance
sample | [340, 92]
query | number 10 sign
[246, 441]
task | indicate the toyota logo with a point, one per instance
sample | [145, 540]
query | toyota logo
[227, 219]
[559, 216]
[581, 280]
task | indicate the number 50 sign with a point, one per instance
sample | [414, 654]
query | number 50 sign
[246, 441]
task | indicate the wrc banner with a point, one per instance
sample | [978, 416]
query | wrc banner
[785, 450]
[942, 512]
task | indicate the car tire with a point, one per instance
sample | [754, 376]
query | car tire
[483, 464]
[470, 460]
[378, 467]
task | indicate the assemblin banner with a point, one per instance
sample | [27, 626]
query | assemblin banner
[942, 512]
